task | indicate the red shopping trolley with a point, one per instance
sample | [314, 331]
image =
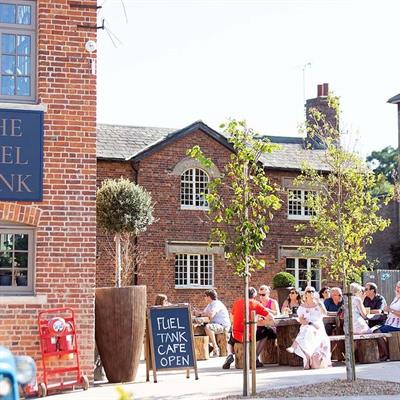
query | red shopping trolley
[60, 354]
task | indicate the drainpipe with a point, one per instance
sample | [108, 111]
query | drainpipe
[135, 271]
[396, 100]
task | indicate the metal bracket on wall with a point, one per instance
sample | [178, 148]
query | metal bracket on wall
[87, 26]
[83, 5]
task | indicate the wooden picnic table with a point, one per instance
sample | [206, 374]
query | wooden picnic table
[286, 331]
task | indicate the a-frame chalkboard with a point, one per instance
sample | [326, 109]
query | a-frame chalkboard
[169, 339]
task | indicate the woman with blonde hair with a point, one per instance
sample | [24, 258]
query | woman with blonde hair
[359, 313]
[312, 343]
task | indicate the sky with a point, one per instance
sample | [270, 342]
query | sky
[169, 63]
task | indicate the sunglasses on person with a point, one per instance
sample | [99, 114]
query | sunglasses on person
[262, 294]
[292, 292]
[310, 291]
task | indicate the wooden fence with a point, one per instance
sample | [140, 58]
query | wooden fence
[385, 279]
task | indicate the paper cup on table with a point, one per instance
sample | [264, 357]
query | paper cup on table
[368, 310]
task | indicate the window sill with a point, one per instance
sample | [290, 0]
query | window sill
[24, 106]
[299, 217]
[194, 287]
[195, 208]
[38, 299]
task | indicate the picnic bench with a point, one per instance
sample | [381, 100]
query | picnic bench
[367, 350]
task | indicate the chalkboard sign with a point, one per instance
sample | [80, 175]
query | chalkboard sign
[171, 338]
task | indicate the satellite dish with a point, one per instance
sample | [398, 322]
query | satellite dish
[91, 46]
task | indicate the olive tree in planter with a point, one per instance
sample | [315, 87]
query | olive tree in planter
[124, 209]
[283, 282]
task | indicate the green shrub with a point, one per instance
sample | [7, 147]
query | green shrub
[123, 206]
[283, 279]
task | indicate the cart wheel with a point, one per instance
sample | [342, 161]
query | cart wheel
[42, 390]
[85, 382]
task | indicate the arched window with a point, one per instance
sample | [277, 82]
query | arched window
[193, 188]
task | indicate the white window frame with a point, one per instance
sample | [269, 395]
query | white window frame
[296, 270]
[187, 272]
[303, 193]
[28, 30]
[193, 190]
[31, 232]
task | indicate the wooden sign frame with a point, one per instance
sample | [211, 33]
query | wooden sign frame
[149, 345]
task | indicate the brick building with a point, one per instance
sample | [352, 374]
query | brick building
[176, 258]
[47, 169]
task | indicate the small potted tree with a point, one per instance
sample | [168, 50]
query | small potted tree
[124, 209]
[283, 282]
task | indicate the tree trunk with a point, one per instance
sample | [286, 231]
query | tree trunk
[118, 261]
[348, 333]
[246, 350]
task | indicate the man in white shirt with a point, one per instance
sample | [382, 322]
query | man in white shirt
[219, 319]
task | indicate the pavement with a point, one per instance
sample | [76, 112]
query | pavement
[214, 382]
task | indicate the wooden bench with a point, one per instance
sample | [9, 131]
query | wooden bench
[394, 346]
[367, 346]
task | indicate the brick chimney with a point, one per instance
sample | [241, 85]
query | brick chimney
[321, 104]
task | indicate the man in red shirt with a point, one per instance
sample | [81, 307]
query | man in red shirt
[237, 333]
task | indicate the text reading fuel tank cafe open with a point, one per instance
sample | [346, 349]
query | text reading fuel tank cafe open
[172, 339]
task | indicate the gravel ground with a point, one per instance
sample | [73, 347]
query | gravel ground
[338, 387]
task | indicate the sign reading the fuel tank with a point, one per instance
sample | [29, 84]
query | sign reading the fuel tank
[21, 155]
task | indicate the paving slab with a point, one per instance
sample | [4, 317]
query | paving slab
[214, 382]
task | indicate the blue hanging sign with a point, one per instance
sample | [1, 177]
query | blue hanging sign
[21, 155]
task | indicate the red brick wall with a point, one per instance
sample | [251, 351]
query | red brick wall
[65, 219]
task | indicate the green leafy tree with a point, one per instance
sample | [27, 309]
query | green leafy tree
[385, 162]
[241, 204]
[345, 213]
[123, 209]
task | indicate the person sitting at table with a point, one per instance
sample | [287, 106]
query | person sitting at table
[312, 343]
[219, 319]
[359, 313]
[292, 302]
[392, 323]
[376, 303]
[161, 300]
[269, 303]
[325, 293]
[335, 302]
[237, 333]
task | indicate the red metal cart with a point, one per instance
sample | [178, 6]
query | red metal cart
[59, 348]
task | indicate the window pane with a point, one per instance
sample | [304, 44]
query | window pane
[23, 45]
[6, 241]
[5, 278]
[180, 269]
[8, 65]
[187, 188]
[290, 263]
[21, 260]
[24, 15]
[201, 181]
[22, 278]
[23, 65]
[5, 260]
[7, 13]
[7, 85]
[193, 270]
[23, 86]
[8, 44]
[21, 241]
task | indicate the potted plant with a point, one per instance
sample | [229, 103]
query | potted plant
[283, 282]
[124, 209]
